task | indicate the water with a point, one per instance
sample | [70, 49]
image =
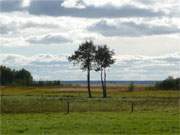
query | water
[110, 82]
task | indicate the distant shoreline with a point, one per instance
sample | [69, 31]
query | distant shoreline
[81, 82]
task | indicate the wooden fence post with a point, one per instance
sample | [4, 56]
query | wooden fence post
[132, 107]
[68, 105]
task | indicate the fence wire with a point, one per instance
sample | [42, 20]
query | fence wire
[26, 104]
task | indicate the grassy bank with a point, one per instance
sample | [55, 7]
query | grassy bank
[113, 91]
[28, 110]
[91, 123]
[39, 100]
[40, 104]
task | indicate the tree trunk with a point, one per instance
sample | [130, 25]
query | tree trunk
[104, 87]
[88, 83]
[102, 82]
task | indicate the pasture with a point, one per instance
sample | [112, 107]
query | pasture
[33, 110]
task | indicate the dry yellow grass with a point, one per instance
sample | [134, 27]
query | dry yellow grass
[113, 91]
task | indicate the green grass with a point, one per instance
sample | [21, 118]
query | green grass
[53, 99]
[150, 123]
[44, 103]
[37, 111]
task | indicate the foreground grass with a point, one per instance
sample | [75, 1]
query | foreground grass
[54, 99]
[39, 111]
[91, 123]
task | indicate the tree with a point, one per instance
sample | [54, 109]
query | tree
[9, 76]
[85, 57]
[6, 75]
[23, 77]
[103, 60]
[131, 86]
[169, 84]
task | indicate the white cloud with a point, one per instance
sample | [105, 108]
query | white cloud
[49, 39]
[17, 28]
[166, 6]
[82, 8]
[73, 4]
[132, 28]
[26, 3]
[96, 3]
[136, 67]
[14, 41]
[20, 60]
[28, 29]
[94, 8]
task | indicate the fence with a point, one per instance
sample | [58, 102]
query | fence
[26, 104]
[122, 105]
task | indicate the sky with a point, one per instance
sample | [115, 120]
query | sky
[39, 35]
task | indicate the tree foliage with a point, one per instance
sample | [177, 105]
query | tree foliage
[131, 87]
[103, 60]
[169, 84]
[91, 57]
[19, 77]
[103, 57]
[85, 57]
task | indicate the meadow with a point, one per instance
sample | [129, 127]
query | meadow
[44, 110]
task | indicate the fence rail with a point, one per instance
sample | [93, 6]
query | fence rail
[27, 104]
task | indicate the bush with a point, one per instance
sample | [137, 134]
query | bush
[169, 84]
[131, 87]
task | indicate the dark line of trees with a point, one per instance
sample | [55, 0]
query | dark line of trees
[91, 57]
[47, 83]
[15, 77]
[169, 84]
[22, 77]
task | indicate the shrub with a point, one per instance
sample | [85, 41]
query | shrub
[169, 84]
[131, 87]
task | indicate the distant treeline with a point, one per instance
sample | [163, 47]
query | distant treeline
[15, 77]
[169, 84]
[46, 83]
[21, 77]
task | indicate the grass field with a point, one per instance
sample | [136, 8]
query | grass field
[28, 110]
[91, 123]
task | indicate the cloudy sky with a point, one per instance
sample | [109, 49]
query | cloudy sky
[39, 35]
